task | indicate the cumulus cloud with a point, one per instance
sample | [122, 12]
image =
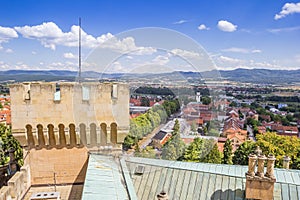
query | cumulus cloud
[202, 27]
[69, 55]
[7, 34]
[287, 9]
[226, 26]
[229, 59]
[241, 50]
[160, 60]
[180, 22]
[185, 54]
[9, 51]
[50, 35]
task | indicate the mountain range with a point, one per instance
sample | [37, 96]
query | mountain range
[240, 75]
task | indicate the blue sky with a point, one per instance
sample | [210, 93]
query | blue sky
[235, 34]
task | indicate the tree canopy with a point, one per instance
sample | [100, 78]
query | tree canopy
[7, 142]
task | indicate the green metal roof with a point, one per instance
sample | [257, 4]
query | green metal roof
[104, 179]
[186, 180]
[110, 178]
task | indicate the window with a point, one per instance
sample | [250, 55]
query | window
[85, 93]
[114, 91]
[27, 91]
[57, 93]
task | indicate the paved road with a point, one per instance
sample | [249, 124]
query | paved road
[147, 139]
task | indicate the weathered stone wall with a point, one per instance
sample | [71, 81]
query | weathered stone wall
[64, 165]
[17, 186]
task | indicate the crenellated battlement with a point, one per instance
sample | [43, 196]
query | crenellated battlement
[84, 110]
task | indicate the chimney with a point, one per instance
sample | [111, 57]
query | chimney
[258, 185]
[286, 162]
[162, 196]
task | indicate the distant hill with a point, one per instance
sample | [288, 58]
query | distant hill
[240, 75]
[262, 75]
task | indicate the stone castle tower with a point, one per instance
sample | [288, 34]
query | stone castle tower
[59, 123]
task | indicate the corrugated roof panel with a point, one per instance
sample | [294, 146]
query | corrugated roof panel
[296, 178]
[204, 186]
[231, 188]
[232, 170]
[168, 180]
[239, 189]
[148, 184]
[225, 187]
[298, 191]
[288, 176]
[211, 185]
[154, 187]
[293, 192]
[285, 191]
[185, 184]
[173, 183]
[219, 181]
[192, 183]
[179, 184]
[280, 176]
[198, 186]
[160, 183]
[142, 185]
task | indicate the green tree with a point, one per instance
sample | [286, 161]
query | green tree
[176, 128]
[214, 156]
[7, 142]
[175, 147]
[206, 100]
[193, 151]
[240, 156]
[227, 153]
[169, 152]
[279, 146]
[145, 101]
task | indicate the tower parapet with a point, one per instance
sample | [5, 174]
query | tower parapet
[58, 114]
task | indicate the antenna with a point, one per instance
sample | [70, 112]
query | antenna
[79, 50]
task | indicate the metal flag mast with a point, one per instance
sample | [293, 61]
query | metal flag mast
[79, 51]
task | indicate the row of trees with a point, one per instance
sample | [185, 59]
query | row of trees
[147, 122]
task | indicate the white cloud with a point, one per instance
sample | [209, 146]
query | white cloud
[33, 53]
[9, 51]
[297, 58]
[226, 26]
[202, 27]
[50, 35]
[180, 21]
[241, 50]
[185, 54]
[160, 60]
[287, 29]
[229, 59]
[256, 51]
[287, 9]
[7, 33]
[69, 55]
